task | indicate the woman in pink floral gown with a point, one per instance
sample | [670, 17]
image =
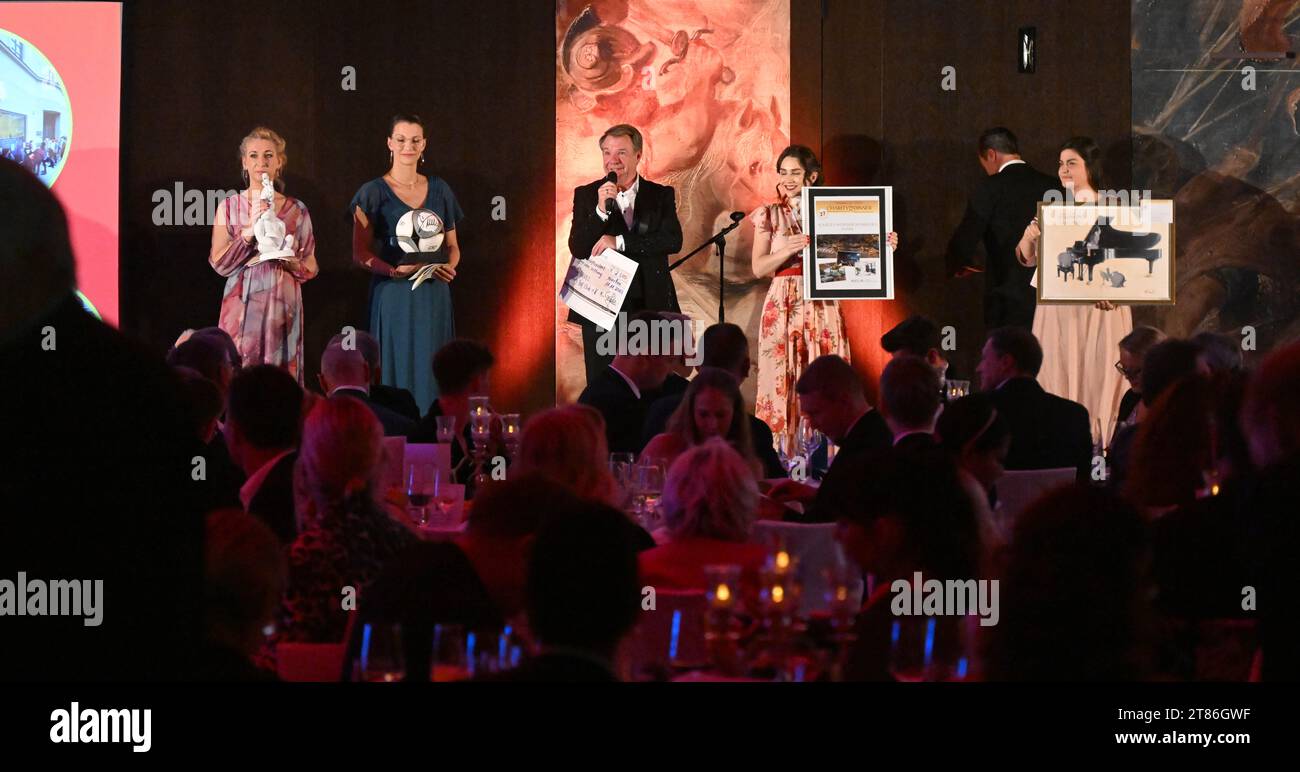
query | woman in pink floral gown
[792, 331]
[261, 308]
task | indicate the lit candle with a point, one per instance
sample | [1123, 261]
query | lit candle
[782, 561]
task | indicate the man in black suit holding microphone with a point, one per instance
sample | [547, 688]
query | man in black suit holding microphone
[632, 216]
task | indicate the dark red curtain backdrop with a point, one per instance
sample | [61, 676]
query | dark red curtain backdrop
[864, 92]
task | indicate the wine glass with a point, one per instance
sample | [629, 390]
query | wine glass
[621, 466]
[381, 653]
[446, 428]
[809, 438]
[420, 482]
[444, 497]
[649, 487]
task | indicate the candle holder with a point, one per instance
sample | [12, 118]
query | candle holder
[722, 624]
[511, 435]
[481, 434]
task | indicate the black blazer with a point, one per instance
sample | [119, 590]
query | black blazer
[398, 400]
[866, 438]
[655, 234]
[623, 412]
[999, 210]
[273, 502]
[1047, 431]
[395, 424]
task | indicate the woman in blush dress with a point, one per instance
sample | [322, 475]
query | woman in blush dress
[261, 308]
[1079, 341]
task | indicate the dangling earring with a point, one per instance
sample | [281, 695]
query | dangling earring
[390, 159]
[244, 173]
[421, 157]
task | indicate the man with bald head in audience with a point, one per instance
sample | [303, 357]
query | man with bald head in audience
[344, 371]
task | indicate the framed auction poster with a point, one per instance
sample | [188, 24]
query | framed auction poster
[848, 257]
[1120, 253]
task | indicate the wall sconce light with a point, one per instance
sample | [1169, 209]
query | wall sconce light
[1028, 50]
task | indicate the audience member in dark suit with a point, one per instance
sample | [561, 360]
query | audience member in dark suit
[587, 554]
[263, 424]
[1047, 431]
[212, 354]
[97, 483]
[832, 397]
[909, 514]
[346, 372]
[476, 580]
[618, 391]
[394, 398]
[725, 347]
[244, 575]
[996, 215]
[643, 228]
[1133, 349]
[462, 369]
[909, 401]
[221, 479]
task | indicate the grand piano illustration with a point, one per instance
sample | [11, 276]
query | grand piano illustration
[1103, 242]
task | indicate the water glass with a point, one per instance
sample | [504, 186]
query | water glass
[450, 661]
[382, 660]
[445, 495]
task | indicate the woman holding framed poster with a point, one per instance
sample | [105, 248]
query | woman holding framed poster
[793, 330]
[1079, 341]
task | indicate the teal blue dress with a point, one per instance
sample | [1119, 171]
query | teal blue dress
[410, 326]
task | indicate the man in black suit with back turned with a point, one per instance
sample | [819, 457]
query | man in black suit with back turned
[642, 225]
[1047, 431]
[998, 212]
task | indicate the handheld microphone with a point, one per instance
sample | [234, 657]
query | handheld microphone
[610, 205]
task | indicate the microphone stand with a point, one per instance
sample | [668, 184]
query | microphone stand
[720, 239]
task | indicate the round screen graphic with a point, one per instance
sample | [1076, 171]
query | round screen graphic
[35, 113]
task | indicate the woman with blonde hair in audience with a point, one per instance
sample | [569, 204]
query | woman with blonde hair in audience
[346, 536]
[567, 445]
[709, 504]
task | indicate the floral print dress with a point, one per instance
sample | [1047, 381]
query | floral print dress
[792, 331]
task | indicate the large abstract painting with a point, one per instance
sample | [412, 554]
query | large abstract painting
[1215, 101]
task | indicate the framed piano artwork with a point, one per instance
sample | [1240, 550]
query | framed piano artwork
[1120, 253]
